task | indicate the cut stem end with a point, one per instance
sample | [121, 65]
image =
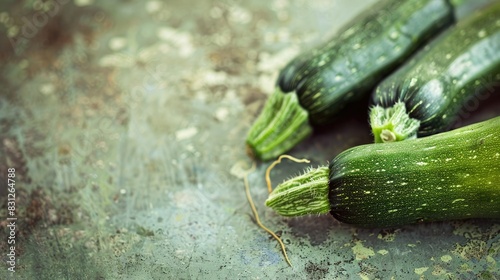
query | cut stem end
[392, 124]
[281, 125]
[302, 195]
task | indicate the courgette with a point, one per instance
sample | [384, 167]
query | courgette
[448, 176]
[319, 83]
[427, 94]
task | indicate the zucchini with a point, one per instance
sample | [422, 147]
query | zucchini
[448, 176]
[317, 84]
[460, 66]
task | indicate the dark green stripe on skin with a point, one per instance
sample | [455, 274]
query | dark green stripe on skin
[448, 176]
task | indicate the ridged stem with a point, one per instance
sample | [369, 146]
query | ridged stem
[282, 124]
[392, 124]
[302, 195]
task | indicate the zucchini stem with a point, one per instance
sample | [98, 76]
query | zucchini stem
[282, 124]
[392, 124]
[268, 170]
[302, 195]
[387, 136]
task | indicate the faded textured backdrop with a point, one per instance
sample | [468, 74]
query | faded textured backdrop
[126, 121]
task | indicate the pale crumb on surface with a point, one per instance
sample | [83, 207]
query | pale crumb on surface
[4, 17]
[153, 6]
[186, 133]
[83, 2]
[363, 276]
[117, 43]
[482, 33]
[116, 60]
[12, 31]
[421, 270]
[267, 82]
[47, 89]
[362, 252]
[214, 78]
[239, 15]
[181, 40]
[239, 169]
[446, 258]
[279, 5]
[383, 252]
[221, 114]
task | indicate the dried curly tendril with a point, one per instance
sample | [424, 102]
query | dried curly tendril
[268, 171]
[302, 195]
[256, 215]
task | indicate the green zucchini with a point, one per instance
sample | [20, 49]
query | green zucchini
[460, 66]
[448, 176]
[318, 84]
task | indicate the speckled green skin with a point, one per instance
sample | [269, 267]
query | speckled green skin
[328, 78]
[448, 176]
[461, 65]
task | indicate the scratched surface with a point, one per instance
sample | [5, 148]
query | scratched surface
[125, 122]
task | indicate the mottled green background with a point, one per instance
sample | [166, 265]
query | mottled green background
[126, 122]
